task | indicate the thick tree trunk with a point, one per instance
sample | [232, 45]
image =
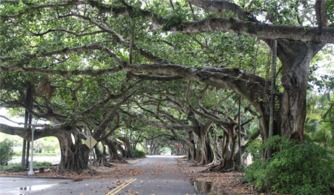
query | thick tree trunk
[295, 57]
[155, 149]
[191, 152]
[74, 156]
[230, 150]
[183, 149]
[113, 154]
[122, 151]
[205, 152]
[127, 147]
[100, 156]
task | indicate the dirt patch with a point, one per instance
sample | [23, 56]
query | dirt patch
[215, 182]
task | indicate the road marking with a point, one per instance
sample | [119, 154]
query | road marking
[120, 187]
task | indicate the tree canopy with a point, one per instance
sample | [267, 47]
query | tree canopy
[186, 71]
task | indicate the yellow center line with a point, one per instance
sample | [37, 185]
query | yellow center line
[120, 187]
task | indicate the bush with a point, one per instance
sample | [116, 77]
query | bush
[42, 164]
[137, 153]
[16, 167]
[6, 151]
[296, 168]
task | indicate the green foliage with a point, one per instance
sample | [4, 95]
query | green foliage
[15, 167]
[173, 20]
[42, 164]
[254, 149]
[296, 168]
[6, 151]
[319, 126]
[329, 10]
[280, 12]
[179, 14]
[137, 153]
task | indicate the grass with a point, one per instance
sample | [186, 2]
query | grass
[38, 154]
[16, 167]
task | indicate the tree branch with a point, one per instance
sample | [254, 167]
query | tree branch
[260, 30]
[320, 11]
[39, 133]
[89, 72]
[118, 38]
[67, 31]
[249, 85]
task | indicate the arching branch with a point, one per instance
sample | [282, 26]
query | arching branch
[39, 133]
[255, 29]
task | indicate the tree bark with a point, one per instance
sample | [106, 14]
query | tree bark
[230, 149]
[295, 57]
[191, 147]
[206, 155]
[74, 155]
[113, 154]
[127, 147]
[100, 155]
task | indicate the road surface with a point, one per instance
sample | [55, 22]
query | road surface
[154, 175]
[160, 176]
[27, 185]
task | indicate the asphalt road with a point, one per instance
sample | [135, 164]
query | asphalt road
[160, 176]
[27, 185]
[154, 175]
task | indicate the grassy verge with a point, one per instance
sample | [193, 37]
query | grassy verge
[16, 167]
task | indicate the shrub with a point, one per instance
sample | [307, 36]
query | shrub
[296, 168]
[15, 167]
[6, 151]
[137, 153]
[42, 164]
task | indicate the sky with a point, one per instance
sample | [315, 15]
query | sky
[3, 112]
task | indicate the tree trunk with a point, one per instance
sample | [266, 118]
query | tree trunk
[24, 150]
[27, 154]
[183, 150]
[295, 57]
[191, 146]
[113, 154]
[100, 156]
[206, 154]
[191, 150]
[229, 150]
[127, 147]
[155, 149]
[74, 156]
[28, 103]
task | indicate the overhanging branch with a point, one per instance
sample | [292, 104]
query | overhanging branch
[255, 29]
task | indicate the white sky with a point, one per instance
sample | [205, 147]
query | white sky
[3, 112]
